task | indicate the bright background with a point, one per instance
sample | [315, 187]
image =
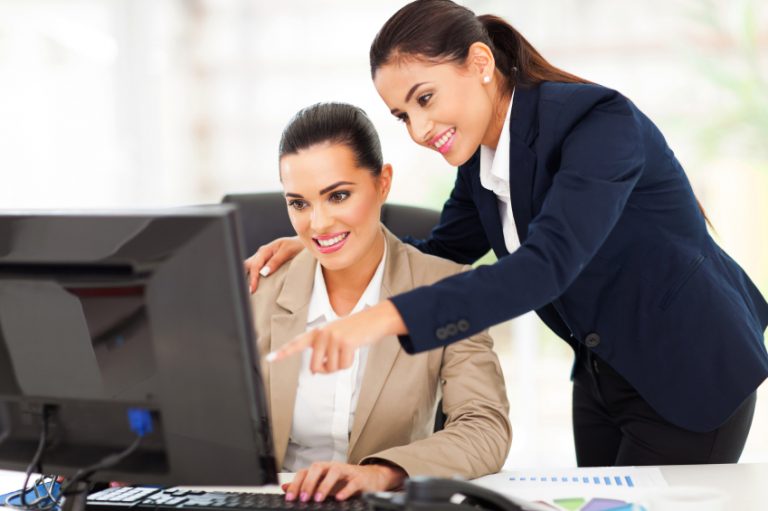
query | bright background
[132, 103]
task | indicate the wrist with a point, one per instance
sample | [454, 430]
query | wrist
[394, 323]
[392, 476]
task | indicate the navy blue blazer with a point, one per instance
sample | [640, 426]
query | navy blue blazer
[614, 255]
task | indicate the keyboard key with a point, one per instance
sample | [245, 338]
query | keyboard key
[146, 499]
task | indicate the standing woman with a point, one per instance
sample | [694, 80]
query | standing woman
[595, 227]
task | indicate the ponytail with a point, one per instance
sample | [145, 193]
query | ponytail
[443, 31]
[517, 59]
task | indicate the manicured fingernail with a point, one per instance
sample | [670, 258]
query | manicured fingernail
[318, 497]
[304, 496]
[271, 356]
[264, 271]
[290, 496]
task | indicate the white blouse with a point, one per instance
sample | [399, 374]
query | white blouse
[325, 403]
[494, 176]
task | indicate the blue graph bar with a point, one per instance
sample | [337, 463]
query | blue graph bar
[608, 480]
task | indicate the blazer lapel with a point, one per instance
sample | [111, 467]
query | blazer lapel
[487, 208]
[284, 375]
[522, 160]
[383, 354]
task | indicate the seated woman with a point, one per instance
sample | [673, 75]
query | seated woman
[368, 427]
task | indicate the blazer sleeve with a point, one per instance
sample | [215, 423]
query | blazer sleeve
[602, 158]
[459, 235]
[477, 433]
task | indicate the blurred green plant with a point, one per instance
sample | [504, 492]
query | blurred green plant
[738, 31]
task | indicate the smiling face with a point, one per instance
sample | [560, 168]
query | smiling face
[335, 205]
[446, 107]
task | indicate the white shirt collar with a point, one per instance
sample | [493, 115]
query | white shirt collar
[320, 304]
[494, 164]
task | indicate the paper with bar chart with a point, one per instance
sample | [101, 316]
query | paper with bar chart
[579, 489]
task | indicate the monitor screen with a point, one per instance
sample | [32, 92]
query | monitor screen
[106, 312]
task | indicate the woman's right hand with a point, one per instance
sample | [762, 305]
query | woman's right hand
[268, 258]
[342, 481]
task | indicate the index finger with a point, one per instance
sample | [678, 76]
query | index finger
[297, 345]
[251, 276]
[257, 264]
[293, 487]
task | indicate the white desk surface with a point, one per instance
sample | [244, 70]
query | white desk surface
[745, 483]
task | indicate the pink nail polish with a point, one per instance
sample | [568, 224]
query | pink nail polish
[290, 496]
[304, 496]
[318, 497]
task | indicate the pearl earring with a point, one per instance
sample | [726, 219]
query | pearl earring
[486, 79]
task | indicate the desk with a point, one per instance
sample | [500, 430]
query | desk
[746, 483]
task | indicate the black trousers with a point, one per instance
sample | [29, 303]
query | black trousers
[614, 426]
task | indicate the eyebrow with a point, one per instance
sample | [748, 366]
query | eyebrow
[408, 96]
[324, 190]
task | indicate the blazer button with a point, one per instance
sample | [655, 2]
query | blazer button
[451, 329]
[592, 340]
[463, 325]
[440, 333]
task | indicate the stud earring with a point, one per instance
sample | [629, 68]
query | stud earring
[486, 79]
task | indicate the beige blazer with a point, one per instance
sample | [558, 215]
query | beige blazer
[395, 412]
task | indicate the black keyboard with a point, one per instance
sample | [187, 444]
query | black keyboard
[142, 497]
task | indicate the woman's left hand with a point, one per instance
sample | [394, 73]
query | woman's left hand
[334, 344]
[341, 480]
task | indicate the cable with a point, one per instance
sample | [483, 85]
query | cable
[80, 476]
[35, 463]
[42, 502]
[52, 487]
[140, 421]
[54, 501]
[107, 462]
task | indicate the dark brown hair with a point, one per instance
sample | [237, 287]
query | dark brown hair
[443, 31]
[337, 123]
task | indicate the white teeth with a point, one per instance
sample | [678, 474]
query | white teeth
[331, 241]
[445, 138]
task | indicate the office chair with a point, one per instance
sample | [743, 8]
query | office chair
[264, 217]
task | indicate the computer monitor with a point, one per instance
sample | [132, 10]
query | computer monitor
[103, 312]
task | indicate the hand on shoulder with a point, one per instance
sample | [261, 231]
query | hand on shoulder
[268, 258]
